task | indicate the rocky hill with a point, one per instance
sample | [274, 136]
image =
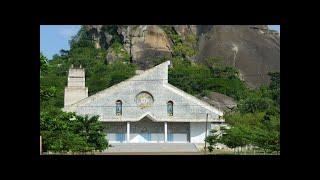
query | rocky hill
[253, 49]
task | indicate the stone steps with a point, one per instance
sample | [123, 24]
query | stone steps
[152, 147]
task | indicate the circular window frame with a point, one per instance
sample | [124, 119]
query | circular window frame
[143, 106]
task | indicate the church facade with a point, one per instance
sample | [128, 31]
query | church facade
[144, 108]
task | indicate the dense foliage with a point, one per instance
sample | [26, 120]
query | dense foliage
[198, 79]
[64, 132]
[45, 91]
[184, 48]
[255, 122]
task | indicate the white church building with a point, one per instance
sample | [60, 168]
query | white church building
[144, 108]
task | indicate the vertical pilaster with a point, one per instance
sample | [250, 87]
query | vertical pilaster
[40, 145]
[165, 132]
[128, 132]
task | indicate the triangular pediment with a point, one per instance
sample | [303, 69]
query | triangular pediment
[147, 116]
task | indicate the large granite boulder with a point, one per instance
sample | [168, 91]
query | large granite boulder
[220, 101]
[146, 43]
[254, 50]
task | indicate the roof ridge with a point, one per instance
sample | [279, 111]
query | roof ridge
[203, 103]
[115, 86]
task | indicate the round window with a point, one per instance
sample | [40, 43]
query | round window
[144, 100]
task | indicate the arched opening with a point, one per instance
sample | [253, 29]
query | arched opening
[170, 108]
[146, 131]
[118, 107]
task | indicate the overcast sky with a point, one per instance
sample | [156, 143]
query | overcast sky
[53, 38]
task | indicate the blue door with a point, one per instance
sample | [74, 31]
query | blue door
[146, 136]
[120, 137]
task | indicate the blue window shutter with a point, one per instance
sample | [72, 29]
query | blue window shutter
[120, 137]
[170, 137]
[149, 136]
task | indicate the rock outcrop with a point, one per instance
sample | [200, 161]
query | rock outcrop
[253, 49]
[101, 38]
[145, 43]
[185, 30]
[223, 102]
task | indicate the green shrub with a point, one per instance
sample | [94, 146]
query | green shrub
[256, 121]
[64, 132]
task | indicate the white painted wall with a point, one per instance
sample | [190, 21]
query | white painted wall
[112, 138]
[155, 138]
[179, 138]
[136, 138]
[198, 132]
[76, 90]
[197, 135]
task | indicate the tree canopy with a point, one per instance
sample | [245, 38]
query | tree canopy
[256, 121]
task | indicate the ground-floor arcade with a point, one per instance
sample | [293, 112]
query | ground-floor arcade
[148, 131]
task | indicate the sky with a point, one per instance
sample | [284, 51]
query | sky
[53, 38]
[275, 27]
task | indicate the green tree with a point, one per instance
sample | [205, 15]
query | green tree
[213, 62]
[45, 92]
[82, 39]
[237, 136]
[181, 47]
[198, 79]
[256, 121]
[215, 137]
[120, 52]
[183, 50]
[92, 131]
[43, 64]
[113, 30]
[255, 104]
[64, 132]
[64, 141]
[275, 86]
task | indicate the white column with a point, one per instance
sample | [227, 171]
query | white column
[128, 132]
[40, 145]
[165, 132]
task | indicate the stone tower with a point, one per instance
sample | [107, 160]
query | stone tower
[76, 90]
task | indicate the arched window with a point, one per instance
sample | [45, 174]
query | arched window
[118, 108]
[170, 108]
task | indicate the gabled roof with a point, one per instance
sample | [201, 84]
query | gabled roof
[148, 115]
[193, 99]
[144, 75]
[117, 86]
